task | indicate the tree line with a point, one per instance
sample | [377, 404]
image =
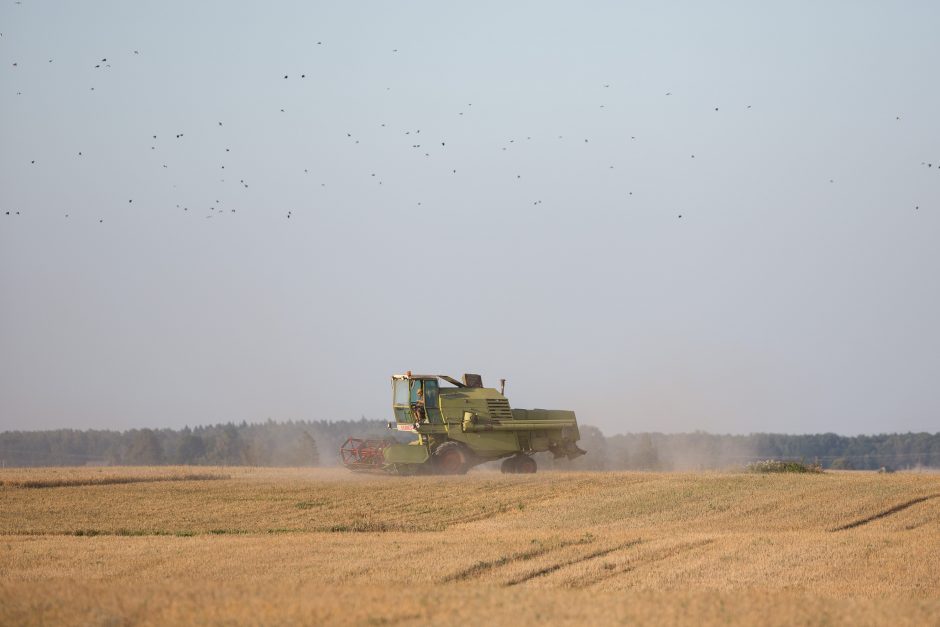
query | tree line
[316, 443]
[704, 451]
[291, 443]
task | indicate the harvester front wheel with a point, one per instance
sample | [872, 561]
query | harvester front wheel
[450, 458]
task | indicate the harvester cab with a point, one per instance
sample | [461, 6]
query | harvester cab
[458, 425]
[415, 401]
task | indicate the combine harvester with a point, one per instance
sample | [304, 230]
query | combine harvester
[459, 427]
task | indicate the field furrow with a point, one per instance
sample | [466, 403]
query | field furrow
[884, 514]
[611, 570]
[546, 570]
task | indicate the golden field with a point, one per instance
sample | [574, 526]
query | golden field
[116, 546]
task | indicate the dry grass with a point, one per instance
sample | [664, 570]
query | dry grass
[323, 546]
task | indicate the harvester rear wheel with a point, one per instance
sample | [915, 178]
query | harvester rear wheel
[450, 458]
[508, 467]
[525, 465]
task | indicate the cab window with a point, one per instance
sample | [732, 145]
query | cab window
[430, 393]
[400, 396]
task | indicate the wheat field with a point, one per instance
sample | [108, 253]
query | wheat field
[141, 546]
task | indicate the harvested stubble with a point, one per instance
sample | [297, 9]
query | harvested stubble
[300, 546]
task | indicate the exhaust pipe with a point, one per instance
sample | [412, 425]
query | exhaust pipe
[502, 387]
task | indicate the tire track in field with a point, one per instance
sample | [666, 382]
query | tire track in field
[577, 560]
[504, 509]
[482, 567]
[658, 556]
[471, 518]
[884, 514]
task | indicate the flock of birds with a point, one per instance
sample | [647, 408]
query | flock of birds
[428, 144]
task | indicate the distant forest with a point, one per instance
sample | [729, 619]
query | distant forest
[316, 443]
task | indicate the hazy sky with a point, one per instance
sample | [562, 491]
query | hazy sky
[476, 187]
